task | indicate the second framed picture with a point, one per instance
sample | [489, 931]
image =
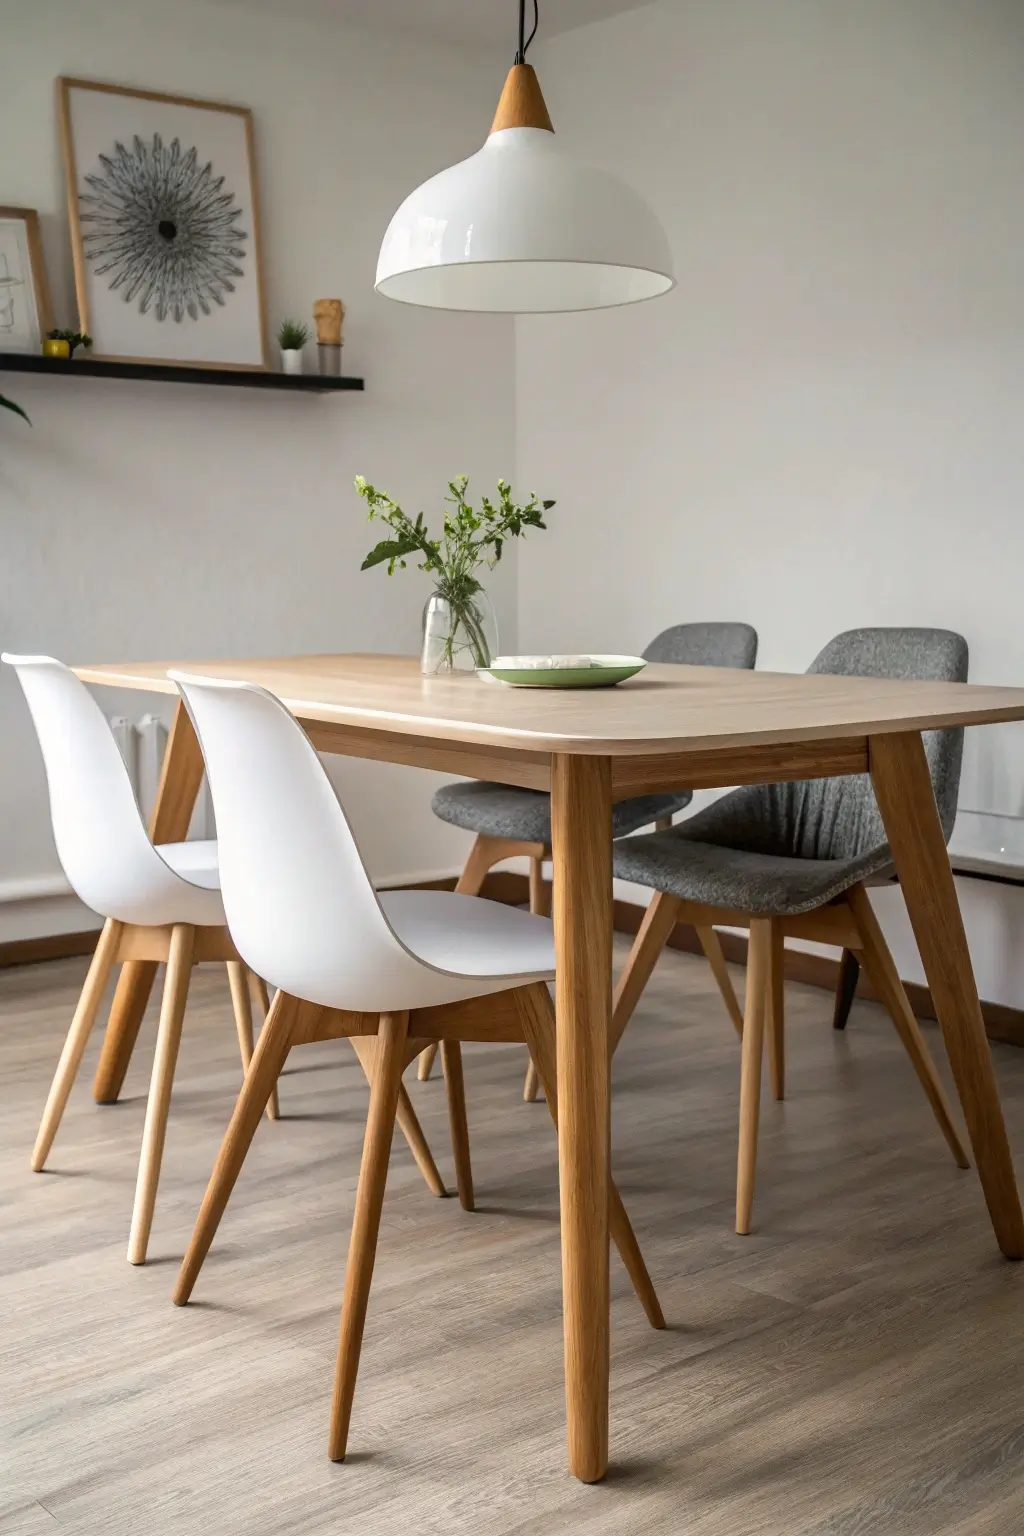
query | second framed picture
[24, 293]
[164, 226]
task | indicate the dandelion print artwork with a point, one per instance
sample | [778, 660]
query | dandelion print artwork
[162, 229]
[163, 204]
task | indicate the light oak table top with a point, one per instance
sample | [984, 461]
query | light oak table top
[664, 709]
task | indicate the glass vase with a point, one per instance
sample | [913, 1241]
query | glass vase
[458, 636]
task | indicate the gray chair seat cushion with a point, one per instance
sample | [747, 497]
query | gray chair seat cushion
[524, 815]
[759, 884]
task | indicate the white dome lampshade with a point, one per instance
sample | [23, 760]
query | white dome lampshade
[521, 228]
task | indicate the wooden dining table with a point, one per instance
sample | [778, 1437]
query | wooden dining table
[669, 728]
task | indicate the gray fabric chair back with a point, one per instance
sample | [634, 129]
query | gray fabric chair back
[839, 818]
[705, 645]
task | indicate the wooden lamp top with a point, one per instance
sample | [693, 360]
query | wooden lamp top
[522, 103]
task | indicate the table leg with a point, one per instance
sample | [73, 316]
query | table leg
[899, 772]
[581, 849]
[180, 777]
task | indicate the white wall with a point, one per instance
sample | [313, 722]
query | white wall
[822, 425]
[161, 520]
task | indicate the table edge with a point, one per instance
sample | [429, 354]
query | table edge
[511, 741]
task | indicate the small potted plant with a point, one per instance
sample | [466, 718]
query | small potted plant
[459, 627]
[291, 338]
[65, 343]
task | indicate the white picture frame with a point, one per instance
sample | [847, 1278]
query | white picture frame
[164, 214]
[24, 292]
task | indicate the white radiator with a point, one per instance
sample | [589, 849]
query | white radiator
[152, 739]
[126, 736]
[143, 746]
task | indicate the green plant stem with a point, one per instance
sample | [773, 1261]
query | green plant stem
[472, 621]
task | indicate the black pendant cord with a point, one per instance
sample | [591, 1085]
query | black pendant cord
[524, 41]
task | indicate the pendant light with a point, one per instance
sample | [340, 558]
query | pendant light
[521, 228]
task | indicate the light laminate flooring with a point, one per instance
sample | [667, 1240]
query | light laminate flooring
[854, 1366]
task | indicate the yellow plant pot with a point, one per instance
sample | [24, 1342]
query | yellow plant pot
[56, 348]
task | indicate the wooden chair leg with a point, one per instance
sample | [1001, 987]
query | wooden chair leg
[451, 1061]
[758, 965]
[776, 1006]
[531, 1085]
[77, 1038]
[846, 988]
[539, 893]
[658, 922]
[238, 980]
[269, 1057]
[427, 1059]
[540, 904]
[885, 978]
[373, 1173]
[365, 1047]
[711, 944]
[260, 988]
[485, 852]
[537, 1013]
[172, 1013]
[241, 1004]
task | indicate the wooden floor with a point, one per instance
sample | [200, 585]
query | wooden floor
[854, 1366]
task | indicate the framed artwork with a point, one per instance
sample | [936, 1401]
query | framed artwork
[164, 226]
[24, 293]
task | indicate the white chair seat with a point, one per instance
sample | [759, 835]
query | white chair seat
[468, 936]
[195, 862]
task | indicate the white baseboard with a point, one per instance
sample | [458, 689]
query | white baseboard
[42, 906]
[42, 917]
[33, 888]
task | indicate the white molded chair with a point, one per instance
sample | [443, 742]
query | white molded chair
[407, 967]
[160, 903]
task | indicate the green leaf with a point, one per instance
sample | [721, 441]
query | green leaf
[389, 549]
[547, 505]
[9, 405]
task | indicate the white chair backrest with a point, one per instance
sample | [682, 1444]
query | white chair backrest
[300, 905]
[102, 844]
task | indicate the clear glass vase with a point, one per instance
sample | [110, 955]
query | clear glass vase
[458, 636]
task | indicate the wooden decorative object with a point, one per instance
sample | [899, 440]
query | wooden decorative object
[329, 317]
[522, 104]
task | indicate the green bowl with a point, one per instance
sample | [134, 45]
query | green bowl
[603, 672]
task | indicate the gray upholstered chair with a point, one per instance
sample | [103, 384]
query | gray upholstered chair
[511, 822]
[793, 860]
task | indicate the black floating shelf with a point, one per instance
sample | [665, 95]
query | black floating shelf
[175, 373]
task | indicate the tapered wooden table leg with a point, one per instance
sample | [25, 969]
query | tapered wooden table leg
[180, 777]
[899, 772]
[582, 863]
